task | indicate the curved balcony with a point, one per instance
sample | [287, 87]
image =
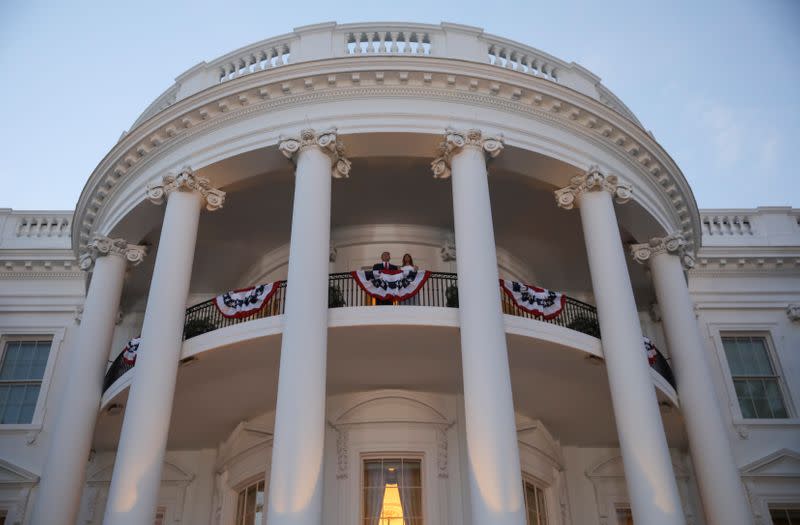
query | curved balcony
[440, 290]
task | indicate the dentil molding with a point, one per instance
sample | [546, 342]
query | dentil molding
[294, 85]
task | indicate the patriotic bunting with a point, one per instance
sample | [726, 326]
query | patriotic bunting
[391, 285]
[658, 362]
[129, 352]
[245, 302]
[537, 301]
[651, 350]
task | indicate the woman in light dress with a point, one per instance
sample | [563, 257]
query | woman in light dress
[409, 266]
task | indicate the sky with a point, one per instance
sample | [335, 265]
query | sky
[716, 81]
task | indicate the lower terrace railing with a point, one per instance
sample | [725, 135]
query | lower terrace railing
[441, 289]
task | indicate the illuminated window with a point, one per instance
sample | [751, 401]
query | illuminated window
[250, 508]
[624, 516]
[392, 490]
[535, 510]
[161, 512]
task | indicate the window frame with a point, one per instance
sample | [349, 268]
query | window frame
[391, 455]
[545, 488]
[243, 486]
[38, 333]
[765, 332]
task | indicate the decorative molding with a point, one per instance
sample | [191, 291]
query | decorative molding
[186, 180]
[673, 244]
[448, 250]
[535, 97]
[327, 141]
[592, 180]
[455, 141]
[332, 253]
[441, 452]
[101, 246]
[793, 312]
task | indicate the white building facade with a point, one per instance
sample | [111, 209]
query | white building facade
[211, 337]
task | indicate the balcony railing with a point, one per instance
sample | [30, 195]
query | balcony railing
[441, 290]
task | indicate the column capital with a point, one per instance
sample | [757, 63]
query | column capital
[673, 244]
[454, 141]
[327, 141]
[592, 180]
[101, 246]
[186, 180]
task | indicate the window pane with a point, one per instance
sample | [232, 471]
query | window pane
[624, 517]
[779, 517]
[541, 507]
[40, 359]
[10, 357]
[754, 380]
[373, 474]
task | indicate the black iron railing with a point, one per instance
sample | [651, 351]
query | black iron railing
[441, 289]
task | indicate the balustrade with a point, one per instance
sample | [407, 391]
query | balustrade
[440, 290]
[326, 41]
[43, 227]
[727, 225]
[388, 42]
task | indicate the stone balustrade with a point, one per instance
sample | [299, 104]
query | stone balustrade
[764, 226]
[331, 40]
[25, 229]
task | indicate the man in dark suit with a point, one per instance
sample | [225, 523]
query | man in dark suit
[384, 265]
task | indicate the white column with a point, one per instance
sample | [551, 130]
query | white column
[58, 497]
[721, 489]
[296, 476]
[494, 468]
[133, 495]
[649, 475]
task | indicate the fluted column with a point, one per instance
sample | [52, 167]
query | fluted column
[720, 486]
[133, 495]
[649, 475]
[492, 450]
[295, 488]
[59, 493]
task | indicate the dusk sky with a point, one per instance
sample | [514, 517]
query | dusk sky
[716, 82]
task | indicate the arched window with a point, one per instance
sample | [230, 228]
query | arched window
[535, 508]
[250, 507]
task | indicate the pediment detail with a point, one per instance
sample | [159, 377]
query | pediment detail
[782, 463]
[391, 407]
[11, 474]
[169, 473]
[614, 468]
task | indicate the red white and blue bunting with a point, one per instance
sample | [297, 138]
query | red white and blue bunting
[546, 304]
[130, 350]
[391, 285]
[651, 351]
[245, 302]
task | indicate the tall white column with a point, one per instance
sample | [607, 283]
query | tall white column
[133, 495]
[296, 475]
[721, 489]
[649, 475]
[494, 468]
[58, 497]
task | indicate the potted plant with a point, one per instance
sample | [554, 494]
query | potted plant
[195, 327]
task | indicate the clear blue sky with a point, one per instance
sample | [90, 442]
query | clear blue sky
[717, 82]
